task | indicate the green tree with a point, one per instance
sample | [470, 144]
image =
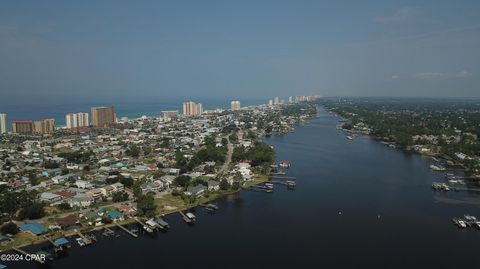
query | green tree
[64, 206]
[182, 181]
[146, 205]
[224, 185]
[120, 197]
[9, 228]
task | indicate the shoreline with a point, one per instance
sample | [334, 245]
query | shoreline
[27, 239]
[433, 156]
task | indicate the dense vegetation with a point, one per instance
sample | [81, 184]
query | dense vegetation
[259, 154]
[454, 124]
[22, 204]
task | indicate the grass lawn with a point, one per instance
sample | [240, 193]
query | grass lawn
[22, 238]
[169, 203]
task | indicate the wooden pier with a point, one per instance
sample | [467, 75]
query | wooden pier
[185, 218]
[139, 222]
[126, 230]
[23, 252]
[85, 239]
[283, 177]
[259, 188]
[289, 183]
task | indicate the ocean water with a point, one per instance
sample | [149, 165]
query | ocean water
[124, 108]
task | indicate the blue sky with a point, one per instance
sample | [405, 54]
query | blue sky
[75, 50]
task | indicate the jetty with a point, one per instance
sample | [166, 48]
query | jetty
[34, 256]
[209, 207]
[126, 230]
[186, 218]
[163, 224]
[108, 232]
[146, 227]
[259, 188]
[282, 177]
[86, 240]
[288, 183]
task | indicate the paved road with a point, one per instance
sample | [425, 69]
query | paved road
[228, 159]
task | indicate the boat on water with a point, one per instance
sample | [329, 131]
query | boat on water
[211, 207]
[191, 216]
[440, 186]
[284, 164]
[470, 218]
[147, 229]
[152, 224]
[80, 242]
[437, 167]
[162, 223]
[349, 137]
[269, 185]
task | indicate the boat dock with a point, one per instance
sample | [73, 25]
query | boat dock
[108, 232]
[126, 230]
[185, 218]
[209, 207]
[85, 239]
[288, 183]
[23, 252]
[163, 224]
[282, 177]
[259, 188]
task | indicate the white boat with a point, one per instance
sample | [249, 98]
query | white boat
[470, 218]
[147, 229]
[349, 137]
[284, 164]
[269, 185]
[191, 216]
[80, 242]
[462, 224]
[437, 167]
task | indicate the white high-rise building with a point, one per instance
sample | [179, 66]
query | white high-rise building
[276, 101]
[76, 120]
[192, 109]
[270, 102]
[3, 123]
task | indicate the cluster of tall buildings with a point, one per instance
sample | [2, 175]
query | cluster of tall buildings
[291, 99]
[235, 105]
[276, 101]
[101, 117]
[191, 109]
[77, 120]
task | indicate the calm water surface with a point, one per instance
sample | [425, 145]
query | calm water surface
[362, 179]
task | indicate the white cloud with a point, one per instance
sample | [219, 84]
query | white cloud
[401, 15]
[440, 75]
[395, 76]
